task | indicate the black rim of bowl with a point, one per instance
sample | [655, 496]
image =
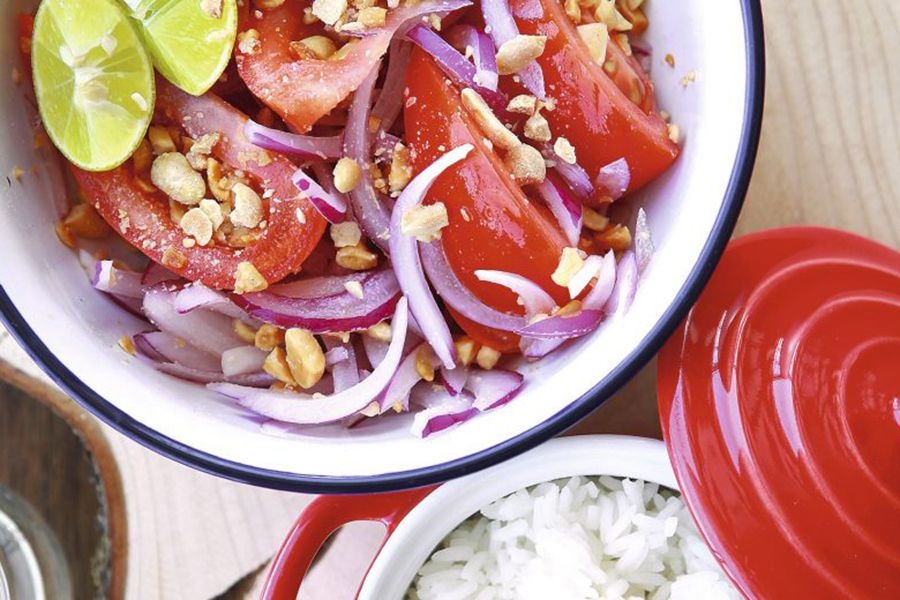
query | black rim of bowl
[575, 411]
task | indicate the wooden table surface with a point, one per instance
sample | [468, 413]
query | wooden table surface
[829, 155]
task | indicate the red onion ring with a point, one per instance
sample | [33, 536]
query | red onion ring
[329, 314]
[566, 209]
[303, 146]
[455, 379]
[309, 410]
[155, 274]
[407, 376]
[345, 373]
[599, 295]
[613, 179]
[408, 266]
[574, 175]
[375, 350]
[390, 101]
[242, 361]
[453, 411]
[319, 287]
[119, 282]
[165, 347]
[499, 19]
[565, 327]
[643, 242]
[581, 279]
[626, 285]
[331, 206]
[534, 298]
[494, 388]
[463, 37]
[206, 330]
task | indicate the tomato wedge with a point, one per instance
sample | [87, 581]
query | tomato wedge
[303, 90]
[142, 217]
[493, 224]
[605, 117]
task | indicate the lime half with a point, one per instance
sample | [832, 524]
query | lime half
[93, 81]
[190, 40]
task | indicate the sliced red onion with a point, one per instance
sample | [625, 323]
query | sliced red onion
[502, 27]
[565, 327]
[328, 314]
[303, 409]
[440, 418]
[494, 388]
[242, 360]
[113, 280]
[534, 298]
[206, 330]
[564, 207]
[455, 379]
[599, 295]
[643, 243]
[575, 177]
[613, 179]
[385, 144]
[165, 347]
[197, 295]
[375, 350]
[405, 257]
[458, 296]
[538, 348]
[337, 354]
[156, 273]
[416, 11]
[345, 372]
[250, 380]
[464, 37]
[303, 146]
[390, 101]
[331, 206]
[581, 279]
[88, 263]
[626, 285]
[453, 64]
[396, 395]
[370, 212]
[643, 51]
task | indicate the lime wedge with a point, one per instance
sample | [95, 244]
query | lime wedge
[93, 81]
[190, 40]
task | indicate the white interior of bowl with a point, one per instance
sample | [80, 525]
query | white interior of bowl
[81, 327]
[448, 506]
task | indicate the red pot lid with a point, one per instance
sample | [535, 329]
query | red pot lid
[780, 404]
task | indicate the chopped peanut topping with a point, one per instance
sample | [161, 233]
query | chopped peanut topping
[594, 220]
[248, 41]
[64, 235]
[160, 140]
[142, 157]
[345, 234]
[380, 332]
[372, 16]
[212, 8]
[329, 11]
[357, 258]
[346, 175]
[519, 52]
[565, 150]
[523, 104]
[268, 337]
[355, 289]
[200, 149]
[487, 358]
[424, 364]
[573, 10]
[488, 122]
[617, 237]
[675, 133]
[172, 174]
[276, 365]
[596, 37]
[569, 310]
[219, 185]
[244, 331]
[198, 225]
[127, 344]
[607, 13]
[248, 209]
[466, 350]
[305, 358]
[401, 170]
[570, 262]
[213, 210]
[248, 279]
[425, 222]
[315, 46]
[174, 259]
[85, 222]
[537, 128]
[526, 165]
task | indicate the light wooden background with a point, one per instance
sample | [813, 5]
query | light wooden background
[830, 155]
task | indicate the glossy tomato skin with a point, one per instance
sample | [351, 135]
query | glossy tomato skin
[142, 218]
[493, 224]
[592, 110]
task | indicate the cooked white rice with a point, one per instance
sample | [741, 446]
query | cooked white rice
[597, 537]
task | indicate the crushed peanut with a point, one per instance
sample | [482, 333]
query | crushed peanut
[596, 37]
[425, 363]
[607, 13]
[355, 289]
[276, 365]
[346, 175]
[244, 331]
[488, 122]
[315, 46]
[670, 60]
[357, 258]
[425, 222]
[329, 11]
[198, 225]
[127, 344]
[219, 185]
[372, 16]
[248, 279]
[526, 165]
[305, 357]
[172, 174]
[466, 350]
[248, 208]
[345, 234]
[674, 132]
[268, 337]
[85, 222]
[594, 220]
[213, 210]
[161, 140]
[174, 259]
[142, 157]
[64, 235]
[401, 170]
[248, 42]
[201, 149]
[523, 104]
[519, 52]
[537, 128]
[564, 149]
[487, 358]
[570, 262]
[380, 332]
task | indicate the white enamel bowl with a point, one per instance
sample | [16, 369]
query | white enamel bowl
[72, 331]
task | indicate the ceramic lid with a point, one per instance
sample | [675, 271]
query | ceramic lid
[780, 404]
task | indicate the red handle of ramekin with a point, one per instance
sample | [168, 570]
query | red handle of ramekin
[319, 520]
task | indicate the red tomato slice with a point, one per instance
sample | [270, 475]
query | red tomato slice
[142, 217]
[592, 110]
[493, 224]
[303, 90]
